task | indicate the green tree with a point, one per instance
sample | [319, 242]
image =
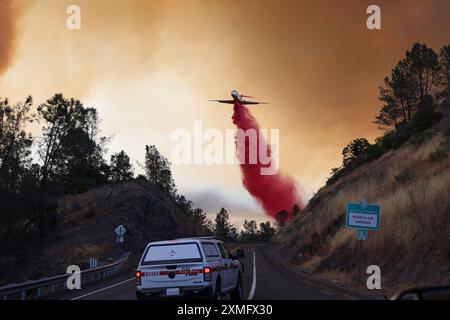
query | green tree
[295, 210]
[80, 165]
[233, 234]
[209, 225]
[70, 151]
[199, 216]
[250, 231]
[120, 167]
[424, 67]
[266, 231]
[15, 142]
[403, 85]
[281, 218]
[444, 62]
[222, 226]
[354, 150]
[184, 204]
[409, 87]
[157, 170]
[399, 96]
[391, 113]
[15, 165]
[61, 117]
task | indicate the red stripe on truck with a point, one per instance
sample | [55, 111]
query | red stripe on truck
[187, 271]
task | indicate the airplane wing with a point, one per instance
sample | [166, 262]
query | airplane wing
[253, 102]
[224, 101]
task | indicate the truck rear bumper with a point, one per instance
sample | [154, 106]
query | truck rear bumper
[185, 292]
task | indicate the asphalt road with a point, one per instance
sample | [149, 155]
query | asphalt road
[263, 279]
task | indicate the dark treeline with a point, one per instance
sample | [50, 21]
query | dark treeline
[223, 229]
[410, 98]
[68, 158]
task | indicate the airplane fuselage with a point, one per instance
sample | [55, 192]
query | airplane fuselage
[236, 96]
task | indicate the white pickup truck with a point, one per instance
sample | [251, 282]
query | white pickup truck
[188, 268]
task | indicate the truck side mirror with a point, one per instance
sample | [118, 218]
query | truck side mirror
[240, 253]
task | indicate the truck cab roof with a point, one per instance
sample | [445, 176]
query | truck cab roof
[183, 240]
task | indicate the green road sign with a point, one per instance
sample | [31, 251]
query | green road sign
[363, 216]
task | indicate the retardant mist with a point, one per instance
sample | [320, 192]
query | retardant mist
[274, 192]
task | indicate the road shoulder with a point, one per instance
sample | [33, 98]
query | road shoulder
[340, 291]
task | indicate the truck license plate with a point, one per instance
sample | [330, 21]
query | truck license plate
[173, 291]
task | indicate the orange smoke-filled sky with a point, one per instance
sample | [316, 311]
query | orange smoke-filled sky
[150, 67]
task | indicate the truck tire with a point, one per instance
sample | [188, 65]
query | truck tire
[218, 291]
[140, 296]
[238, 292]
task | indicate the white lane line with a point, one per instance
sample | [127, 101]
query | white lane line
[103, 289]
[252, 290]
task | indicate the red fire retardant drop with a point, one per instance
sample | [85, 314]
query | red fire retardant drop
[274, 192]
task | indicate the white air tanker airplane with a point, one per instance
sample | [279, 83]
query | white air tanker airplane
[238, 98]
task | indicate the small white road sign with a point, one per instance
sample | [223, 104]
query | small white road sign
[120, 230]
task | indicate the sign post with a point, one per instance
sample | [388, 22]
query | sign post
[363, 217]
[120, 231]
[362, 234]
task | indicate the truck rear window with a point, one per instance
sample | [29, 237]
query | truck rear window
[172, 253]
[210, 249]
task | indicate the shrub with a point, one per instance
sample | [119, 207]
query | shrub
[425, 119]
[420, 138]
[373, 152]
[395, 139]
[438, 155]
[447, 133]
[405, 176]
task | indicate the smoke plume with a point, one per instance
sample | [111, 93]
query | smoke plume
[274, 192]
[10, 11]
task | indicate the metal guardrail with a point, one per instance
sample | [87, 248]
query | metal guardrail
[43, 287]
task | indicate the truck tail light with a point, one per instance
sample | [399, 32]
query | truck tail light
[138, 277]
[207, 274]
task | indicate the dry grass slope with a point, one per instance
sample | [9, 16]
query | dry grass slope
[413, 245]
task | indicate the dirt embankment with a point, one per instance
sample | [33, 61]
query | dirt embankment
[86, 224]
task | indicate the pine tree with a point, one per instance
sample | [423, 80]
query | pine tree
[157, 170]
[120, 167]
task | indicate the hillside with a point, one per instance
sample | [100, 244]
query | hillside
[86, 229]
[412, 247]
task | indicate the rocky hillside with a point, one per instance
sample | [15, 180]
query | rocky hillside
[86, 229]
[412, 247]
